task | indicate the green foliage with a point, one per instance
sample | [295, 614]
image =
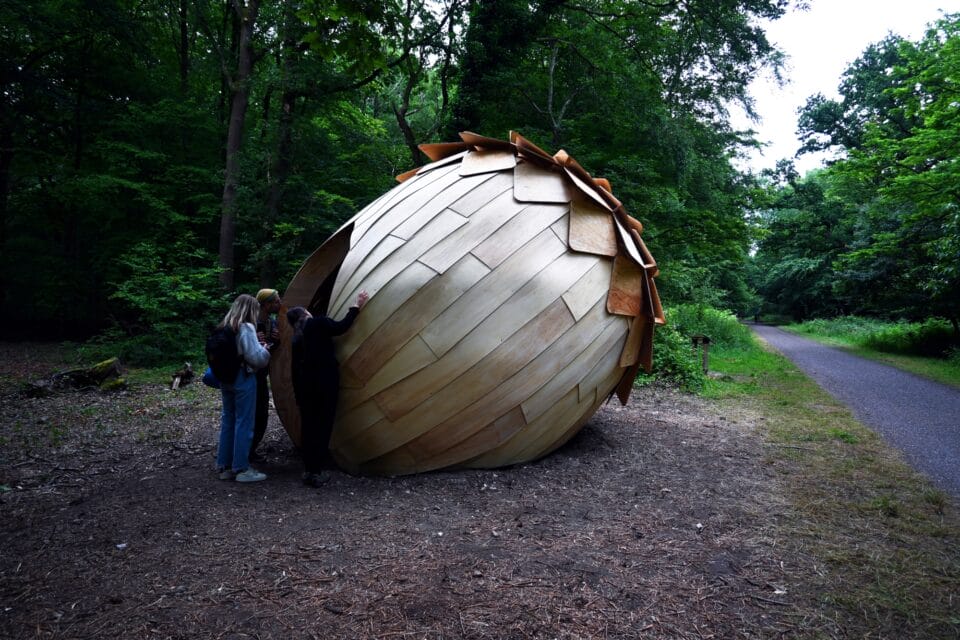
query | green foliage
[934, 337]
[117, 115]
[878, 232]
[674, 361]
[171, 302]
[721, 326]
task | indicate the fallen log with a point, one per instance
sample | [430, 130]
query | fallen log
[104, 376]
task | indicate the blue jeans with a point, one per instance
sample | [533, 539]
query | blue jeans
[236, 421]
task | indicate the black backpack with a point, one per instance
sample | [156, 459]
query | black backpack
[222, 354]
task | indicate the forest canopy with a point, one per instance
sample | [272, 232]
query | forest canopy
[877, 232]
[158, 157]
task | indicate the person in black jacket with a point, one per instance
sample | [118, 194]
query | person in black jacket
[316, 383]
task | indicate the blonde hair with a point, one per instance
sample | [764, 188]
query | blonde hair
[244, 309]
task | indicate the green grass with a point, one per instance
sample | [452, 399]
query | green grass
[885, 538]
[892, 343]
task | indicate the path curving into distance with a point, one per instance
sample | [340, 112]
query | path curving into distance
[918, 416]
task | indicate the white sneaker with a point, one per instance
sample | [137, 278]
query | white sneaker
[250, 475]
[226, 474]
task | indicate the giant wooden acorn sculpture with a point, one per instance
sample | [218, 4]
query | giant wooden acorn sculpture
[511, 295]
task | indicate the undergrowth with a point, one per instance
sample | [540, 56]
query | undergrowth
[928, 348]
[676, 360]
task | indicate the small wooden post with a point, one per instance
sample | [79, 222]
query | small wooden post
[704, 341]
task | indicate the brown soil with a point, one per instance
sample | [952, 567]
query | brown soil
[658, 520]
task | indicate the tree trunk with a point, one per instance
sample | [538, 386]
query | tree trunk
[6, 159]
[184, 53]
[278, 181]
[238, 111]
[400, 112]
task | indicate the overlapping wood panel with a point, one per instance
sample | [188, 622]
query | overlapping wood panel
[503, 302]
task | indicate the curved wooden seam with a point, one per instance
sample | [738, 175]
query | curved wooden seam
[496, 289]
[374, 274]
[370, 214]
[517, 232]
[387, 219]
[531, 300]
[497, 213]
[490, 293]
[441, 202]
[518, 386]
[403, 323]
[569, 377]
[498, 184]
[601, 370]
[545, 441]
[464, 387]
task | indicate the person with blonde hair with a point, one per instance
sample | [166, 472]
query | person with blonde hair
[240, 396]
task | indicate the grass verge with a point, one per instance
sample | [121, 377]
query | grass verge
[852, 339]
[884, 540]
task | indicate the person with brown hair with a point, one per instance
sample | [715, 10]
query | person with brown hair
[316, 383]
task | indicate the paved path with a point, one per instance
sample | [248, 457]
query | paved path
[916, 415]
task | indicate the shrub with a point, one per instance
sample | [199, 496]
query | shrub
[933, 338]
[674, 360]
[722, 327]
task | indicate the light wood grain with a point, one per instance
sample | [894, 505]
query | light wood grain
[571, 375]
[458, 391]
[388, 299]
[442, 201]
[382, 206]
[349, 281]
[560, 416]
[535, 184]
[541, 436]
[482, 161]
[375, 273]
[393, 216]
[435, 448]
[592, 229]
[530, 300]
[600, 372]
[412, 357]
[482, 224]
[407, 459]
[586, 291]
[472, 202]
[517, 232]
[375, 348]
[496, 288]
[561, 228]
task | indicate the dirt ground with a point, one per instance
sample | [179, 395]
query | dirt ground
[658, 520]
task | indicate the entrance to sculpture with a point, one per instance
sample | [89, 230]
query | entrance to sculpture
[310, 288]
